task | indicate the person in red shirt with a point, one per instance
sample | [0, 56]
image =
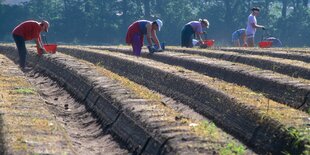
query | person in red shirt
[25, 31]
[138, 29]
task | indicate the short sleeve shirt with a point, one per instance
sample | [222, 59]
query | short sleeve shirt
[28, 30]
[142, 26]
[250, 30]
[196, 25]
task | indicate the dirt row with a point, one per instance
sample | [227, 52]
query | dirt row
[274, 85]
[82, 128]
[144, 122]
[26, 126]
[258, 121]
[286, 53]
[284, 65]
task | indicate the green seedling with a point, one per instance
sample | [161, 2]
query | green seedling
[207, 128]
[232, 149]
[24, 91]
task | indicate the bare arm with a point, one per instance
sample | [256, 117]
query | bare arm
[39, 43]
[256, 26]
[199, 37]
[155, 39]
[149, 33]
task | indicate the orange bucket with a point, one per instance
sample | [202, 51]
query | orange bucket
[209, 43]
[265, 44]
[51, 48]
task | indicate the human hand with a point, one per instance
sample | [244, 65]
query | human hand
[263, 28]
[151, 49]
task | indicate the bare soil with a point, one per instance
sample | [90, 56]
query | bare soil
[82, 129]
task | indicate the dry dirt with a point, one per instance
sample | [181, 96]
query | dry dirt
[82, 128]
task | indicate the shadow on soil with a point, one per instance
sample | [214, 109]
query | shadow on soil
[2, 146]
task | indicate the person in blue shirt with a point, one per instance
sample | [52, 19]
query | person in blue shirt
[237, 36]
[275, 42]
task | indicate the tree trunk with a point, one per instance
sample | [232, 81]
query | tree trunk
[147, 9]
[228, 11]
[296, 5]
[284, 8]
[267, 2]
[305, 3]
[125, 13]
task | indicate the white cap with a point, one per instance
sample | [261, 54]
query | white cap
[159, 23]
[44, 22]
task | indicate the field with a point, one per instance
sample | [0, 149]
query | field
[102, 99]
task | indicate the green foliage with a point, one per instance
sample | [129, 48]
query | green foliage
[233, 149]
[297, 143]
[24, 91]
[106, 21]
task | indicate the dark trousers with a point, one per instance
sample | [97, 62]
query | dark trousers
[22, 51]
[187, 36]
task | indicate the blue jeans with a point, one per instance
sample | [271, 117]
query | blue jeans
[187, 36]
[137, 44]
[22, 51]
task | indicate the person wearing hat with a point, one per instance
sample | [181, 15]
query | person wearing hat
[252, 26]
[275, 41]
[193, 27]
[237, 36]
[138, 29]
[25, 31]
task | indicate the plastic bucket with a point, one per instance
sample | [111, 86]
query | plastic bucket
[265, 44]
[209, 43]
[51, 48]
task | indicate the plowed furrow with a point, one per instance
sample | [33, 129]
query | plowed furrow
[83, 129]
[301, 55]
[143, 123]
[281, 65]
[259, 121]
[279, 87]
[26, 126]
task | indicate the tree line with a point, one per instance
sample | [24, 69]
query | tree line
[106, 21]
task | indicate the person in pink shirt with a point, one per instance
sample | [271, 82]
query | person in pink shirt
[25, 31]
[252, 26]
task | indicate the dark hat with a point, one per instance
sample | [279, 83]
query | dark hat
[255, 9]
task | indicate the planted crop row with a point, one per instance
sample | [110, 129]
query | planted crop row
[284, 89]
[286, 65]
[143, 123]
[293, 54]
[260, 122]
[26, 127]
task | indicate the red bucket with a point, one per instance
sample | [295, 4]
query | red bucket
[265, 44]
[51, 48]
[209, 43]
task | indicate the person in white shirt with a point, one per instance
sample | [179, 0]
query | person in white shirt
[252, 26]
